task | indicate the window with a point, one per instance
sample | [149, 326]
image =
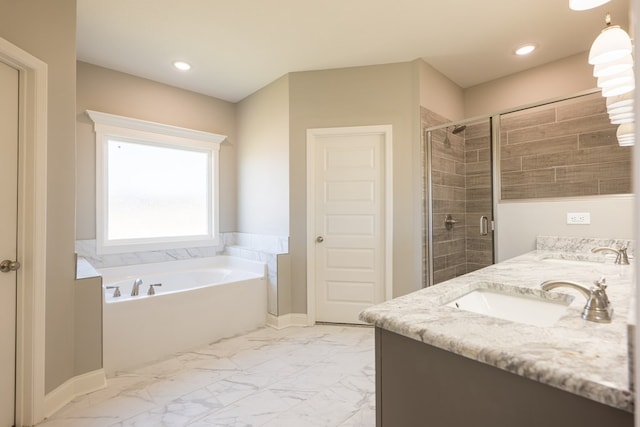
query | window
[156, 185]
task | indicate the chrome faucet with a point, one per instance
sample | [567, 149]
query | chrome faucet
[598, 309]
[136, 287]
[621, 254]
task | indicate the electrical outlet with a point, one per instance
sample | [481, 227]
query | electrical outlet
[581, 218]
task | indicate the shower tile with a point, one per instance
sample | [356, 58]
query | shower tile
[472, 144]
[581, 173]
[534, 176]
[511, 165]
[614, 186]
[535, 147]
[528, 118]
[581, 107]
[601, 138]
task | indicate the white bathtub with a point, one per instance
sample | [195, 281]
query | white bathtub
[200, 301]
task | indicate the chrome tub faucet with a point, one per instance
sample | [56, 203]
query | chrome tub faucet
[598, 308]
[136, 287]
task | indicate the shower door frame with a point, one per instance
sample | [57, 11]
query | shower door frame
[428, 270]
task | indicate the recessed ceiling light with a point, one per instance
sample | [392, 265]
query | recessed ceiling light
[525, 49]
[181, 65]
[585, 4]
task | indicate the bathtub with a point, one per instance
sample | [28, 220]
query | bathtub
[200, 301]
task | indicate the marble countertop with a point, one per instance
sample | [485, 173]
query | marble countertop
[585, 358]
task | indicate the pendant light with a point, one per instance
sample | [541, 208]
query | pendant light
[622, 120]
[617, 90]
[626, 134]
[625, 77]
[620, 110]
[617, 101]
[612, 44]
[614, 67]
[586, 4]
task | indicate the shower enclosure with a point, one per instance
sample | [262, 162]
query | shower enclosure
[458, 199]
[564, 149]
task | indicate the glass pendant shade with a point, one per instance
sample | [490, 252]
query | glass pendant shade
[622, 120]
[626, 134]
[620, 110]
[622, 78]
[614, 67]
[618, 89]
[612, 44]
[586, 4]
[620, 100]
[621, 116]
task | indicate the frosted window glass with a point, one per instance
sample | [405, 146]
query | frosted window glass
[156, 191]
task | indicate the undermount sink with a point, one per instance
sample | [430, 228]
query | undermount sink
[528, 309]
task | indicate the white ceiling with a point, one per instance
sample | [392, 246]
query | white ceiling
[238, 46]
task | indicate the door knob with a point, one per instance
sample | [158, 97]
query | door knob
[319, 239]
[7, 266]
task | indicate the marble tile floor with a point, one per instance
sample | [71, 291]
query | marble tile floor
[315, 376]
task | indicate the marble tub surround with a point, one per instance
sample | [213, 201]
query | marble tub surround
[257, 242]
[87, 250]
[585, 358]
[263, 248]
[84, 269]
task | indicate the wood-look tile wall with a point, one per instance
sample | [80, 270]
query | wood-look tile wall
[564, 149]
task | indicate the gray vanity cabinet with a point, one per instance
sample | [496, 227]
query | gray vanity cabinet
[423, 386]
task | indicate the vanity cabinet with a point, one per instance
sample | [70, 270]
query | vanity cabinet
[421, 385]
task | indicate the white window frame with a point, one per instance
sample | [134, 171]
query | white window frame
[110, 126]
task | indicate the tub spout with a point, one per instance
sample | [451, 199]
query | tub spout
[136, 287]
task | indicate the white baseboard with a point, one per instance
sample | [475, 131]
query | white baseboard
[287, 320]
[70, 389]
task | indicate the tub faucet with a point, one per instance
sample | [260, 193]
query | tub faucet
[136, 287]
[621, 254]
[598, 309]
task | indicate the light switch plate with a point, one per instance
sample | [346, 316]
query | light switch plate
[580, 218]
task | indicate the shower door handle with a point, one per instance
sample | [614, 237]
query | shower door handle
[484, 225]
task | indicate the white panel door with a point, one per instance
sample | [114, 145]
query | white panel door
[349, 224]
[8, 238]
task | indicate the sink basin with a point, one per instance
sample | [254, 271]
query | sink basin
[527, 309]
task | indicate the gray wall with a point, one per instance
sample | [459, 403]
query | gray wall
[263, 172]
[47, 30]
[110, 91]
[561, 78]
[383, 94]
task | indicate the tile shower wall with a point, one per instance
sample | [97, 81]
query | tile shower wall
[448, 190]
[564, 149]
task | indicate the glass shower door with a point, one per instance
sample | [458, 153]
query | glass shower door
[458, 200]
